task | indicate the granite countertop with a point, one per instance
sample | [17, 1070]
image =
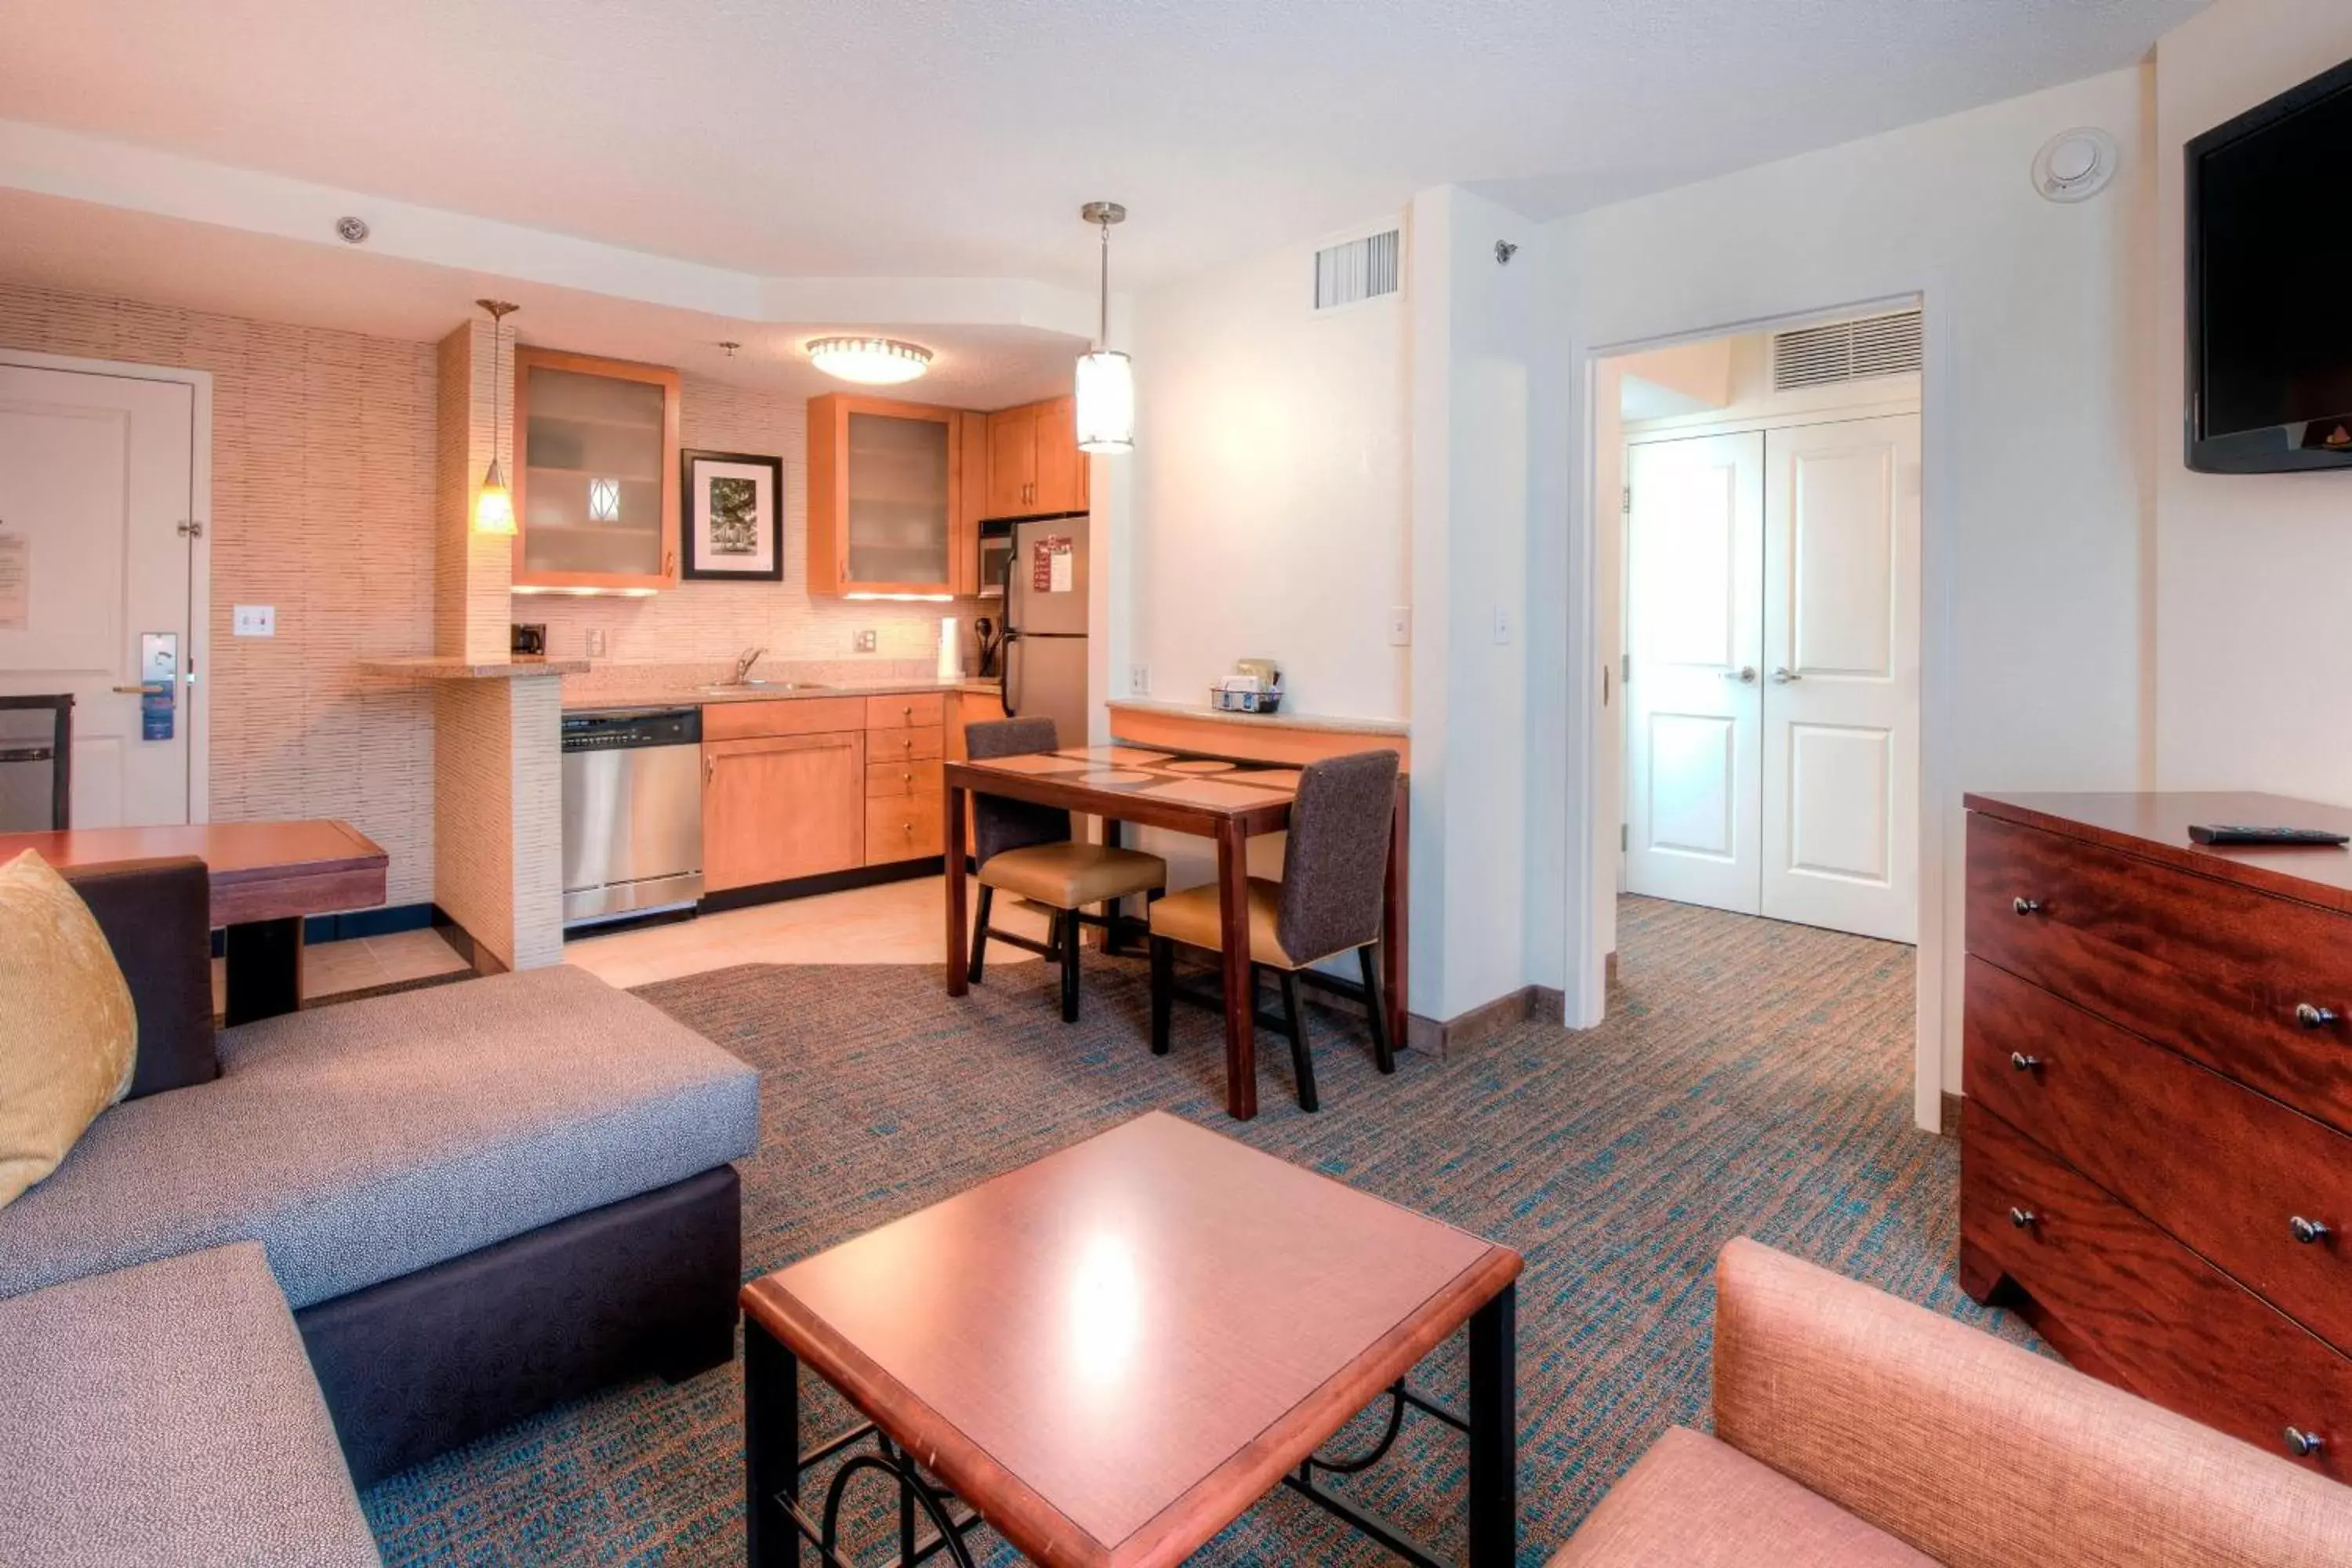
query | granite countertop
[433, 667]
[1284, 719]
[694, 696]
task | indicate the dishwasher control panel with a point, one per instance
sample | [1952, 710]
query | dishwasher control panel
[637, 726]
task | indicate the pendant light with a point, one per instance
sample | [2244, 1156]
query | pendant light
[1105, 377]
[494, 503]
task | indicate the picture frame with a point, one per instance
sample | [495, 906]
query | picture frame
[731, 524]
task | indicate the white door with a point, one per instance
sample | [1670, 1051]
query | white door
[1842, 697]
[95, 472]
[1693, 699]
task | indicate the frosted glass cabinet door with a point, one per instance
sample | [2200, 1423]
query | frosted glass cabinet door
[899, 499]
[596, 490]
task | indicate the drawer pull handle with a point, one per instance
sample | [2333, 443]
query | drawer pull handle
[2026, 906]
[2311, 1018]
[2302, 1444]
[2022, 1218]
[2308, 1231]
[2024, 1063]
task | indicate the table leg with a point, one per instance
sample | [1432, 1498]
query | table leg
[1241, 990]
[959, 937]
[1396, 915]
[265, 970]
[772, 1447]
[1494, 1432]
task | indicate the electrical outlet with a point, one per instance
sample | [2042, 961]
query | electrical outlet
[255, 621]
[1502, 625]
[866, 642]
[1138, 680]
[1401, 626]
[595, 642]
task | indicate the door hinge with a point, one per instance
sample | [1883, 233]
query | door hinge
[191, 530]
[1625, 669]
[1624, 837]
[1626, 503]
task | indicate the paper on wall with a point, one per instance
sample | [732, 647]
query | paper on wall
[15, 583]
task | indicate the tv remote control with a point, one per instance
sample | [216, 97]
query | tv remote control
[2226, 833]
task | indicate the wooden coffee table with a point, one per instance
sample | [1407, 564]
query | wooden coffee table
[1111, 1354]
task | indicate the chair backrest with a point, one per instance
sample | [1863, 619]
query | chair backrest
[1336, 869]
[998, 823]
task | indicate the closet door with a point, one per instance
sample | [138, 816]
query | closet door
[1693, 697]
[1841, 722]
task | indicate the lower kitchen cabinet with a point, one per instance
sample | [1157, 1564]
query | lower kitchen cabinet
[904, 737]
[780, 806]
[902, 827]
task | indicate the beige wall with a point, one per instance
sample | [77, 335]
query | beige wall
[322, 506]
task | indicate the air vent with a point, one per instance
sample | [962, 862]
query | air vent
[1846, 351]
[1357, 270]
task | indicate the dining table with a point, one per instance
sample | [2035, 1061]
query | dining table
[1224, 799]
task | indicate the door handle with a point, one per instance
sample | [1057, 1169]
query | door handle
[1744, 674]
[1783, 675]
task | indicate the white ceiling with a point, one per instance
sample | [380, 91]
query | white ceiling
[875, 137]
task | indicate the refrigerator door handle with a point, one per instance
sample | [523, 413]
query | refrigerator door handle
[1012, 632]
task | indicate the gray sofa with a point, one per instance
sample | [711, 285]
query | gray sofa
[470, 1202]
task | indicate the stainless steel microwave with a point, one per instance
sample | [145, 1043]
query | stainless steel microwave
[996, 555]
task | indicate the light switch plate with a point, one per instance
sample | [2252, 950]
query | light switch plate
[1502, 625]
[1401, 626]
[255, 621]
[1138, 680]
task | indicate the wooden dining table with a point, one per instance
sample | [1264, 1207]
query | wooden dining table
[1222, 799]
[266, 879]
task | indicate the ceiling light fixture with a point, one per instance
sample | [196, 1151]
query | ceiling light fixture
[877, 361]
[494, 503]
[1105, 377]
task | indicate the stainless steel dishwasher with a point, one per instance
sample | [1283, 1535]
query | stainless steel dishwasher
[631, 813]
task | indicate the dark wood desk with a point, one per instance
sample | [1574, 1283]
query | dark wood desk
[266, 878]
[1209, 797]
[1111, 1354]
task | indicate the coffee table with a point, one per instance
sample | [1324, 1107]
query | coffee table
[1110, 1355]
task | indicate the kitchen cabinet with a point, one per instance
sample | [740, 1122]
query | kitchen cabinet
[1035, 467]
[597, 472]
[887, 511]
[903, 790]
[783, 791]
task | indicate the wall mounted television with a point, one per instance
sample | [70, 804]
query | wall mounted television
[2269, 285]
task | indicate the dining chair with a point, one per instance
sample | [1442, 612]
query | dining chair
[1331, 897]
[1027, 849]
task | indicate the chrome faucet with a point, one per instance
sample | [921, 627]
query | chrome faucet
[743, 663]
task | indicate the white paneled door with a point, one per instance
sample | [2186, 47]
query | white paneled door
[95, 472]
[1772, 699]
[1694, 565]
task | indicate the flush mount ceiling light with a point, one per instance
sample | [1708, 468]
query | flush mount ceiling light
[2075, 165]
[1105, 377]
[494, 503]
[877, 361]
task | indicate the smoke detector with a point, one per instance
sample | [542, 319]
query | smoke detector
[2075, 165]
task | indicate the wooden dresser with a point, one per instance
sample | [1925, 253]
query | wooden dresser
[2156, 1167]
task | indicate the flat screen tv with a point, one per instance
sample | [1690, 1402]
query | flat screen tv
[2269, 285]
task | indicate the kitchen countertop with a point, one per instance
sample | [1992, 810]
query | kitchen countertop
[1284, 719]
[698, 696]
[455, 669]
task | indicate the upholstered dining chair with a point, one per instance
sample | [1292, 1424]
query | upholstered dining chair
[1330, 898]
[1027, 849]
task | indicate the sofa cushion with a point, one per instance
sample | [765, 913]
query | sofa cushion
[166, 1415]
[69, 1037]
[367, 1139]
[1698, 1503]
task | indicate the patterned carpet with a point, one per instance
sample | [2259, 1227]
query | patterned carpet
[1753, 1078]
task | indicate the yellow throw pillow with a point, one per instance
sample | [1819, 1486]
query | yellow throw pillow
[68, 1038]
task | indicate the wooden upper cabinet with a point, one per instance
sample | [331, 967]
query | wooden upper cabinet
[1035, 467]
[887, 512]
[597, 472]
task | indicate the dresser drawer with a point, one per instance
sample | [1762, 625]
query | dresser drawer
[2162, 1321]
[903, 829]
[911, 712]
[2213, 969]
[2226, 1170]
[897, 780]
[904, 745]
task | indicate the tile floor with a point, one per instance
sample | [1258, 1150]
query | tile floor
[356, 964]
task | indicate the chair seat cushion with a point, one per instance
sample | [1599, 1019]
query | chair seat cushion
[368, 1140]
[1072, 876]
[1699, 1503]
[1195, 918]
[164, 1414]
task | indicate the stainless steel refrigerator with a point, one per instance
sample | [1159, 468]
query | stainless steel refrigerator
[1045, 625]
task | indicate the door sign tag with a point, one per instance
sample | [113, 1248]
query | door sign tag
[159, 678]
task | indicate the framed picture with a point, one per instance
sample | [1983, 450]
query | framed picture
[733, 518]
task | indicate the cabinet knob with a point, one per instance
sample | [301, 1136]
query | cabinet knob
[2024, 1063]
[2311, 1018]
[909, 777]
[2022, 1218]
[2308, 1231]
[2026, 906]
[2302, 1444]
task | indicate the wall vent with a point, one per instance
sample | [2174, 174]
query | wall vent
[1846, 351]
[1357, 269]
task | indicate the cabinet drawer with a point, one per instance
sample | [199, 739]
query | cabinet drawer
[890, 780]
[902, 829]
[904, 746]
[911, 711]
[2226, 1170]
[2212, 969]
[2165, 1324]
[781, 716]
